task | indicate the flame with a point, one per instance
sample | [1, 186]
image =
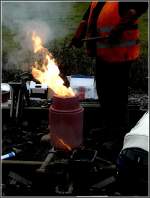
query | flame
[48, 72]
[61, 141]
[64, 144]
[37, 42]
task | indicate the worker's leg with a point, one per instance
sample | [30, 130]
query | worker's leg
[112, 88]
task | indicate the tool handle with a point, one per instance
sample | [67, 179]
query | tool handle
[95, 38]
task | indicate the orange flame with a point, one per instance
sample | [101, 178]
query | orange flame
[37, 42]
[61, 141]
[48, 72]
[64, 144]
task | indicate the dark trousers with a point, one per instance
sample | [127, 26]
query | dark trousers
[112, 89]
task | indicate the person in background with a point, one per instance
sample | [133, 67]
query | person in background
[132, 162]
[116, 25]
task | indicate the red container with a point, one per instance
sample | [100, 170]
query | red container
[66, 122]
[5, 96]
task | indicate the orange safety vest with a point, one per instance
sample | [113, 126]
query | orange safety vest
[128, 48]
[90, 45]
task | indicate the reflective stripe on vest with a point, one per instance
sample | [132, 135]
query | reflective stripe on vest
[108, 29]
[120, 44]
[131, 32]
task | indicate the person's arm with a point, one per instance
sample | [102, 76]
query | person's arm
[128, 11]
[139, 7]
[86, 14]
[81, 31]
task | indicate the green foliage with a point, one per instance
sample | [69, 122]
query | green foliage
[143, 26]
[139, 71]
[71, 60]
[77, 13]
[8, 41]
[9, 45]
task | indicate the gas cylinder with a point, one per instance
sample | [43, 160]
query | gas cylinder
[66, 122]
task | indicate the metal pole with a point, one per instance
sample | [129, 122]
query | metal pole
[95, 38]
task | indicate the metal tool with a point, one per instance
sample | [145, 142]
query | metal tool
[47, 161]
[18, 93]
[95, 38]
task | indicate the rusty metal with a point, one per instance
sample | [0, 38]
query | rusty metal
[21, 162]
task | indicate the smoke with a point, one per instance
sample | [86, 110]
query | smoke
[47, 19]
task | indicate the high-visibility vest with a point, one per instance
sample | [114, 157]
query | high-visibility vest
[92, 6]
[127, 49]
[90, 46]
